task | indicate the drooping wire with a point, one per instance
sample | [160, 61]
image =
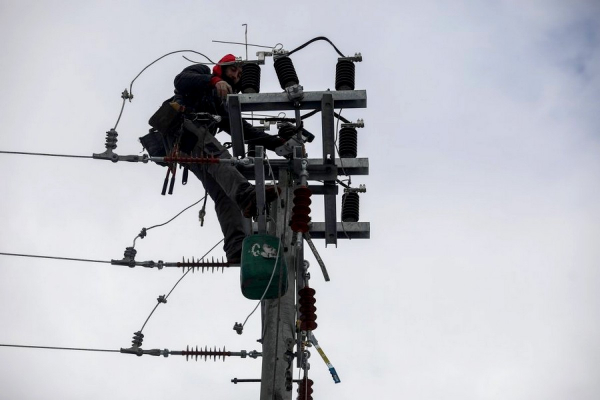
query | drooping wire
[142, 234]
[339, 116]
[314, 40]
[54, 258]
[58, 348]
[129, 95]
[174, 286]
[43, 154]
[160, 58]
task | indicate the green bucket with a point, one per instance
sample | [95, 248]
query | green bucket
[259, 258]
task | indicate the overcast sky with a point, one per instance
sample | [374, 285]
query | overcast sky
[480, 280]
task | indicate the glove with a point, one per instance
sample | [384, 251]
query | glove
[287, 130]
[287, 148]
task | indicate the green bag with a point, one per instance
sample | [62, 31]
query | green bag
[260, 256]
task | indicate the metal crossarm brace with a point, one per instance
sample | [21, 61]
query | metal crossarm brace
[329, 159]
[317, 171]
[310, 100]
[237, 127]
[259, 176]
[279, 102]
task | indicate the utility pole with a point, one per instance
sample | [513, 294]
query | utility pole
[286, 330]
[279, 315]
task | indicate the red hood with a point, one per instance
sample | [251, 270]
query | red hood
[217, 70]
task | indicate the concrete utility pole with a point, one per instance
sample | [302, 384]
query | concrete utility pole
[281, 347]
[279, 315]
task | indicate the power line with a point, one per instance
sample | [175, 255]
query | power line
[43, 154]
[163, 299]
[54, 258]
[58, 348]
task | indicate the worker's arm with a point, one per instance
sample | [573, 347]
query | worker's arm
[254, 136]
[193, 80]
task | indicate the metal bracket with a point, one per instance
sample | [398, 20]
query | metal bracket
[259, 176]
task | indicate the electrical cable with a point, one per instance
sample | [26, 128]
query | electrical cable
[129, 95]
[54, 258]
[177, 283]
[142, 234]
[339, 116]
[43, 154]
[314, 40]
[58, 348]
[160, 58]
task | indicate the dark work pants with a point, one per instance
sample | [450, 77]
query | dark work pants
[224, 184]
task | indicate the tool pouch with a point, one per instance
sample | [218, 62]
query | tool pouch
[155, 145]
[166, 119]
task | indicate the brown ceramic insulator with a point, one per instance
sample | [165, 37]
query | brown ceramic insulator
[305, 389]
[307, 309]
[301, 210]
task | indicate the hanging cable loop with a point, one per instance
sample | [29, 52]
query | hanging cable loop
[314, 40]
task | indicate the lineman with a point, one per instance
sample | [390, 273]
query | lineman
[199, 91]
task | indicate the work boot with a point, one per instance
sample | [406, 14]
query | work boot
[235, 258]
[249, 210]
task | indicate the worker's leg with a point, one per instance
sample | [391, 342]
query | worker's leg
[228, 213]
[231, 181]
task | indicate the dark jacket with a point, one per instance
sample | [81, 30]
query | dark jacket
[193, 89]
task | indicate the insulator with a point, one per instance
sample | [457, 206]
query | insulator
[350, 207]
[344, 75]
[111, 139]
[286, 73]
[138, 338]
[206, 353]
[191, 160]
[209, 266]
[301, 210]
[305, 389]
[250, 78]
[307, 309]
[348, 143]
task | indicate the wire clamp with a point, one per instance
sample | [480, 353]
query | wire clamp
[356, 58]
[360, 123]
[239, 328]
[126, 95]
[128, 258]
[359, 189]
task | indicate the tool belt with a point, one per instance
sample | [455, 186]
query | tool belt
[173, 125]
